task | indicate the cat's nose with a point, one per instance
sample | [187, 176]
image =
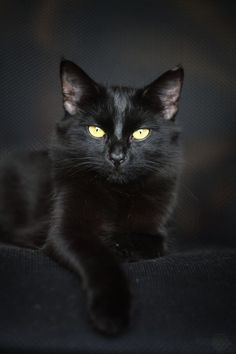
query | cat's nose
[117, 157]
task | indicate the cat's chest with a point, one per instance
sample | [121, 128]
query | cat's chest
[119, 210]
[138, 212]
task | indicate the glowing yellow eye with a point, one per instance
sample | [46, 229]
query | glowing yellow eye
[96, 132]
[141, 134]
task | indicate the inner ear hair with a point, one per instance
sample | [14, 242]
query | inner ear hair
[71, 95]
[169, 91]
[170, 102]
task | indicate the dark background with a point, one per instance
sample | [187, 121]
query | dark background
[131, 43]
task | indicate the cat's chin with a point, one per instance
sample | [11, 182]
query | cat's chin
[117, 177]
[124, 177]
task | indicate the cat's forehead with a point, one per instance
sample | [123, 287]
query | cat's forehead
[122, 111]
[121, 99]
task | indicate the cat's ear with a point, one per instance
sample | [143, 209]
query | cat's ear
[77, 86]
[164, 93]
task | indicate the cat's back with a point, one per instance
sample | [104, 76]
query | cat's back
[25, 189]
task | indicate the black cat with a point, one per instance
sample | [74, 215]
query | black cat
[105, 189]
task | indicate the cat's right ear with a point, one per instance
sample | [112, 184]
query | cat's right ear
[77, 86]
[163, 94]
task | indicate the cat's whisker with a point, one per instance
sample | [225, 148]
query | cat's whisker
[74, 166]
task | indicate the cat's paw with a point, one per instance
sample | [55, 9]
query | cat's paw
[109, 310]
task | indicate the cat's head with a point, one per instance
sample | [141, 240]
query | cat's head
[119, 133]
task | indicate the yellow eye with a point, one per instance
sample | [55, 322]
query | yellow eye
[141, 134]
[96, 132]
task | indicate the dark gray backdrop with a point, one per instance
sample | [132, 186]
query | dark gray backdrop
[132, 42]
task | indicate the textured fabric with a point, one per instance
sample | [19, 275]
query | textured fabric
[184, 303]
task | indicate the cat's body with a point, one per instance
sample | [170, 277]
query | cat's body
[125, 215]
[25, 198]
[105, 189]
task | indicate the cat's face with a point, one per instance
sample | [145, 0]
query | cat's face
[119, 133]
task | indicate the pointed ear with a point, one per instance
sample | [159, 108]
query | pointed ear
[164, 93]
[76, 85]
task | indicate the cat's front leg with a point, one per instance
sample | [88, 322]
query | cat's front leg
[104, 282]
[109, 299]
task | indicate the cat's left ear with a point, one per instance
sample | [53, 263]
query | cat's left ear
[77, 87]
[164, 93]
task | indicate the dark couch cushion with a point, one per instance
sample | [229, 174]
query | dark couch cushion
[184, 303]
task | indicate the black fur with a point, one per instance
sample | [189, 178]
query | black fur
[89, 202]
